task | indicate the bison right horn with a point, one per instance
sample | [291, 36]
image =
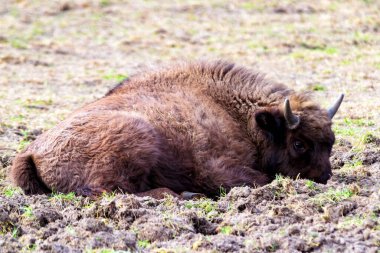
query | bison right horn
[292, 120]
[331, 112]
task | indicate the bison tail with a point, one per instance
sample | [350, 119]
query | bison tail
[24, 174]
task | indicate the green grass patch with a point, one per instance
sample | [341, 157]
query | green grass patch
[332, 196]
[252, 5]
[20, 40]
[226, 230]
[22, 145]
[358, 131]
[109, 196]
[17, 118]
[222, 192]
[25, 140]
[313, 52]
[105, 250]
[5, 227]
[298, 55]
[69, 197]
[115, 77]
[352, 166]
[27, 211]
[369, 138]
[204, 205]
[285, 186]
[312, 46]
[311, 185]
[70, 230]
[143, 243]
[90, 205]
[318, 87]
[361, 122]
[29, 248]
[344, 131]
[317, 47]
[258, 46]
[349, 222]
[354, 163]
[15, 232]
[360, 37]
[273, 247]
[104, 3]
[358, 220]
[330, 50]
[18, 43]
[333, 6]
[36, 102]
[10, 191]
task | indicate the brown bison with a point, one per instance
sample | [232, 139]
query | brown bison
[189, 128]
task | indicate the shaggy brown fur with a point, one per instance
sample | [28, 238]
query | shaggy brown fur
[194, 127]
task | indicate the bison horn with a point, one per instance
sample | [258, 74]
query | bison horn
[292, 120]
[331, 112]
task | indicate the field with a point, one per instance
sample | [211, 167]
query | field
[56, 56]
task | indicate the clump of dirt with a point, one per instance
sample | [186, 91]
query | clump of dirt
[5, 160]
[342, 154]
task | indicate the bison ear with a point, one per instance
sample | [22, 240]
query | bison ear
[268, 122]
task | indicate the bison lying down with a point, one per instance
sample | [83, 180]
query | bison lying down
[194, 127]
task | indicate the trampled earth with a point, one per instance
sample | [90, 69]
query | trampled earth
[56, 56]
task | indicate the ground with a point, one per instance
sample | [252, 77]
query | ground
[56, 56]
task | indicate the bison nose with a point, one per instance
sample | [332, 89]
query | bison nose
[324, 177]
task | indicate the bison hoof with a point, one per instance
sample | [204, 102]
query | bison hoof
[91, 192]
[192, 195]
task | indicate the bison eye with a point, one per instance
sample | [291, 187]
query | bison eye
[299, 146]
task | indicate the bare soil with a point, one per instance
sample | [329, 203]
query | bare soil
[56, 56]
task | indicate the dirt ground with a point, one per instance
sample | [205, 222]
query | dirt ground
[58, 55]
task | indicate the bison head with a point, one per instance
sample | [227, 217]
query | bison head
[295, 139]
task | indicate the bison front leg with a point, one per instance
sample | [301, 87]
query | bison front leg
[161, 193]
[158, 193]
[227, 176]
[91, 192]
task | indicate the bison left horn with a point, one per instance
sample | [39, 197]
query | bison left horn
[292, 120]
[331, 112]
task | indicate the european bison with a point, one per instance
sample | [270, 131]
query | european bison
[194, 127]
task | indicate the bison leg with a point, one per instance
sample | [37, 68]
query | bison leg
[242, 176]
[158, 193]
[224, 175]
[192, 195]
[107, 150]
[91, 192]
[161, 193]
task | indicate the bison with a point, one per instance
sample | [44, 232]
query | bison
[193, 127]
